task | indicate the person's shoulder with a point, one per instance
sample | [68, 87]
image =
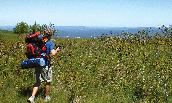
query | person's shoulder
[49, 42]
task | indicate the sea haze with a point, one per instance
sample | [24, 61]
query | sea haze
[91, 32]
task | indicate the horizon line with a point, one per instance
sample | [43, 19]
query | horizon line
[96, 26]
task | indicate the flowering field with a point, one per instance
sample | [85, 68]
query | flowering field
[102, 70]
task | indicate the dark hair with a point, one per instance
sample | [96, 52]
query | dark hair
[48, 36]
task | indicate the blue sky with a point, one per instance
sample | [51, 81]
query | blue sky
[114, 13]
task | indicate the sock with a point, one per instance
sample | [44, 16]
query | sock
[33, 97]
[47, 96]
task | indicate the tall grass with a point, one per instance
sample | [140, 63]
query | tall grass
[136, 68]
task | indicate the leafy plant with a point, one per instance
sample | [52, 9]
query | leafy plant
[21, 28]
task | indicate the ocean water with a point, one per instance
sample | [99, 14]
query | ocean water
[91, 32]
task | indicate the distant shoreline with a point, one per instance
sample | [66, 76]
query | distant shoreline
[91, 32]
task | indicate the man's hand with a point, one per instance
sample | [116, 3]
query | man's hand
[54, 52]
[58, 49]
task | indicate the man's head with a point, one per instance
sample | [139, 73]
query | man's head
[46, 31]
[47, 35]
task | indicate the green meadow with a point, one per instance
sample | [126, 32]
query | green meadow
[108, 69]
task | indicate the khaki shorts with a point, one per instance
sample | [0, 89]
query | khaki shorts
[43, 74]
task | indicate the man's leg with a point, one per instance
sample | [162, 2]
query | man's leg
[48, 79]
[47, 92]
[35, 88]
[37, 84]
[34, 91]
[47, 89]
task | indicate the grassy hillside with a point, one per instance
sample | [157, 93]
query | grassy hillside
[102, 70]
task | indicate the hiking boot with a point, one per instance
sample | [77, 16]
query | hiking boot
[47, 99]
[31, 100]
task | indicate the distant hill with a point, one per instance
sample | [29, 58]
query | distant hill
[88, 32]
[9, 28]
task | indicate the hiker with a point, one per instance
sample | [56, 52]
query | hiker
[45, 74]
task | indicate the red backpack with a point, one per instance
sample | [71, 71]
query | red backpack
[34, 46]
